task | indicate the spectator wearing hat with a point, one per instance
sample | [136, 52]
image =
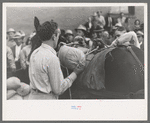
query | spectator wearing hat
[140, 36]
[10, 35]
[121, 19]
[101, 19]
[69, 36]
[109, 23]
[100, 39]
[137, 25]
[17, 49]
[11, 67]
[23, 36]
[114, 28]
[99, 31]
[106, 37]
[46, 78]
[81, 31]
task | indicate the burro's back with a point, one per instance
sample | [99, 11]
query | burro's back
[113, 73]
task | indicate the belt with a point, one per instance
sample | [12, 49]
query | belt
[36, 90]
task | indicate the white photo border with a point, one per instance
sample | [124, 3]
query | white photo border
[95, 110]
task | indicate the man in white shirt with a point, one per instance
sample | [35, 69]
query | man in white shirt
[10, 35]
[17, 49]
[46, 78]
[101, 19]
[121, 19]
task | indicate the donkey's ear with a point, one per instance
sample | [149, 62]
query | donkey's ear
[36, 23]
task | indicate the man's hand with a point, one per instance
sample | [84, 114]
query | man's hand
[79, 68]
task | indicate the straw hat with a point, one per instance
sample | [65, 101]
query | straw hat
[81, 27]
[11, 30]
[22, 33]
[17, 35]
[68, 32]
[117, 25]
[140, 33]
[77, 38]
[98, 29]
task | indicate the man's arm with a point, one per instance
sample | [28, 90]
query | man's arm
[11, 60]
[22, 59]
[57, 81]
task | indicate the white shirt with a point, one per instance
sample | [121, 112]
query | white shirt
[109, 21]
[126, 38]
[45, 71]
[90, 25]
[17, 53]
[101, 20]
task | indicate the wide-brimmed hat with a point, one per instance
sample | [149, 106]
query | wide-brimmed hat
[81, 27]
[98, 29]
[22, 33]
[140, 33]
[11, 30]
[17, 35]
[116, 26]
[78, 38]
[68, 32]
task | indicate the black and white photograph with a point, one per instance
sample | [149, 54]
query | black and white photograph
[77, 58]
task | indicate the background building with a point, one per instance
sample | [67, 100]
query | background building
[22, 18]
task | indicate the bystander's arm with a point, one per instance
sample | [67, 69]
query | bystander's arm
[10, 59]
[22, 59]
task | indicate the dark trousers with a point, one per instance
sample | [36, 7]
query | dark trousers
[22, 74]
[9, 73]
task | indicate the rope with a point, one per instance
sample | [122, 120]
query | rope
[69, 88]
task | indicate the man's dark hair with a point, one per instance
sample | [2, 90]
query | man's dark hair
[46, 30]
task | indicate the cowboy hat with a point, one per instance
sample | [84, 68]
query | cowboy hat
[17, 35]
[140, 33]
[11, 30]
[116, 26]
[68, 32]
[81, 27]
[98, 29]
[22, 33]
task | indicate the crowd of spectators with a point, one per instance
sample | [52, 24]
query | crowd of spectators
[97, 31]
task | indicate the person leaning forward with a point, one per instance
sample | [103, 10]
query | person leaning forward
[46, 78]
